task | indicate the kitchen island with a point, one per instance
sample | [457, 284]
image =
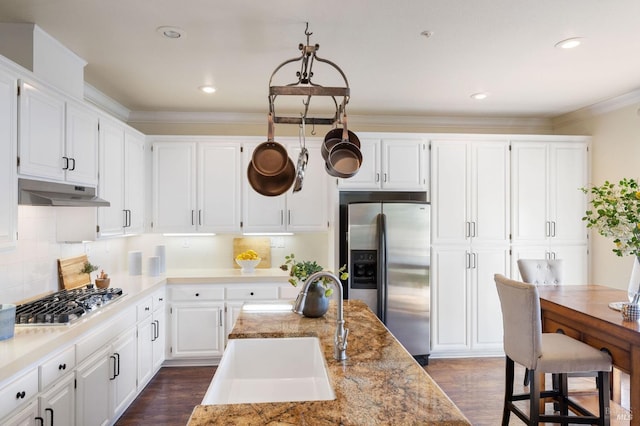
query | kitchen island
[379, 383]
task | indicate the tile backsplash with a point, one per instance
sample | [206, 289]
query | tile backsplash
[30, 268]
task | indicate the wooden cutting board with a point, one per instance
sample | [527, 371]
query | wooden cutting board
[262, 246]
[69, 272]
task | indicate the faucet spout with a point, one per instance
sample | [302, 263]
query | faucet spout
[340, 339]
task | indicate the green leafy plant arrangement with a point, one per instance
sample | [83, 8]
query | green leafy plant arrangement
[88, 268]
[299, 271]
[615, 213]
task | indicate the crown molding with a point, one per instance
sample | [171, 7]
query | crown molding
[598, 108]
[535, 125]
[104, 102]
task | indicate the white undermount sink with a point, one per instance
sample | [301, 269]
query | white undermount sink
[270, 370]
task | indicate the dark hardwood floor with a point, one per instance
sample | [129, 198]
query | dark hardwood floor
[169, 398]
[475, 385]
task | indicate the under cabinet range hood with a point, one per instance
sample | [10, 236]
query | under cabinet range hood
[41, 193]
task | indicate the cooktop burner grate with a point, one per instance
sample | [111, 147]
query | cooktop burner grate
[63, 307]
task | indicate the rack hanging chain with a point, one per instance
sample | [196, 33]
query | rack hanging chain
[304, 86]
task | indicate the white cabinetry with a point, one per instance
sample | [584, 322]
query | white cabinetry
[8, 144]
[305, 210]
[390, 163]
[19, 392]
[548, 205]
[123, 380]
[470, 184]
[470, 234]
[57, 137]
[121, 179]
[466, 316]
[196, 186]
[93, 396]
[25, 417]
[57, 405]
[197, 322]
[150, 334]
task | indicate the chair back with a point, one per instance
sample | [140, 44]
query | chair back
[520, 304]
[541, 271]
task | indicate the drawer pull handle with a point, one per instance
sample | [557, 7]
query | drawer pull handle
[251, 293]
[197, 294]
[146, 308]
[21, 395]
[62, 367]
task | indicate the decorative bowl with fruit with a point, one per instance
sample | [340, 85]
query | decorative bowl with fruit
[248, 260]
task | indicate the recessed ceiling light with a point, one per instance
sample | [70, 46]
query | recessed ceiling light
[171, 32]
[208, 89]
[479, 96]
[569, 43]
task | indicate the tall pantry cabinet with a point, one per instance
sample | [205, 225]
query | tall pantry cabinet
[8, 143]
[470, 235]
[548, 205]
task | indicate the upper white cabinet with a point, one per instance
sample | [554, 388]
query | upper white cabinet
[121, 179]
[58, 138]
[390, 163]
[548, 205]
[470, 185]
[8, 143]
[196, 186]
[305, 210]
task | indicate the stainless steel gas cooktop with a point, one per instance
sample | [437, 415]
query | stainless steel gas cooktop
[66, 306]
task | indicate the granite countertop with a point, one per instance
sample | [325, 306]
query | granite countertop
[379, 383]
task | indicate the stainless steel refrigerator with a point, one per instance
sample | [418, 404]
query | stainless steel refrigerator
[389, 254]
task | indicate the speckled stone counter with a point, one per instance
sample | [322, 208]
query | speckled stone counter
[379, 383]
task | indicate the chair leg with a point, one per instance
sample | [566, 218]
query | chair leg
[604, 396]
[534, 398]
[562, 386]
[526, 377]
[508, 390]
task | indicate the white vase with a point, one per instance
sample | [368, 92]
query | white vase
[634, 282]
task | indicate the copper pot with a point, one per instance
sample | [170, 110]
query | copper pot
[272, 186]
[270, 158]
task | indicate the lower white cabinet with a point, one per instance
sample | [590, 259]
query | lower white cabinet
[57, 405]
[466, 315]
[150, 335]
[25, 417]
[197, 330]
[106, 381]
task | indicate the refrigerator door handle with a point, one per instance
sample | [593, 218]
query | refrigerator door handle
[382, 270]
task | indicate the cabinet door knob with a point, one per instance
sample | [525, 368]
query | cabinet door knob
[146, 308]
[251, 293]
[21, 395]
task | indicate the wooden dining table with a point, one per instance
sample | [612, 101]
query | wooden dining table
[583, 312]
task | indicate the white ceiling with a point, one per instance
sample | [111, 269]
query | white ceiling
[503, 47]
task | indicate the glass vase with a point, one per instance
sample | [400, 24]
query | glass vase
[634, 282]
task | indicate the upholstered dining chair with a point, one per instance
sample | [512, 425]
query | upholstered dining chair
[555, 353]
[540, 272]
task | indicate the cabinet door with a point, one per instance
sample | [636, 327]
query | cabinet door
[111, 219]
[489, 182]
[57, 406]
[25, 417]
[197, 330]
[134, 183]
[307, 209]
[260, 213]
[450, 193]
[529, 172]
[146, 335]
[219, 177]
[567, 204]
[174, 187]
[486, 313]
[81, 144]
[41, 143]
[450, 300]
[93, 396]
[124, 357]
[403, 164]
[8, 144]
[159, 338]
[369, 175]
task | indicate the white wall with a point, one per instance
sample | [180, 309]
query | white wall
[615, 154]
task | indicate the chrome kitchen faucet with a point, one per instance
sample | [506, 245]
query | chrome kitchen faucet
[340, 339]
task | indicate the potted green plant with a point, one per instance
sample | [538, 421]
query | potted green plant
[88, 268]
[615, 214]
[317, 301]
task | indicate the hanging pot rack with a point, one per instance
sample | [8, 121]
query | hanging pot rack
[304, 87]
